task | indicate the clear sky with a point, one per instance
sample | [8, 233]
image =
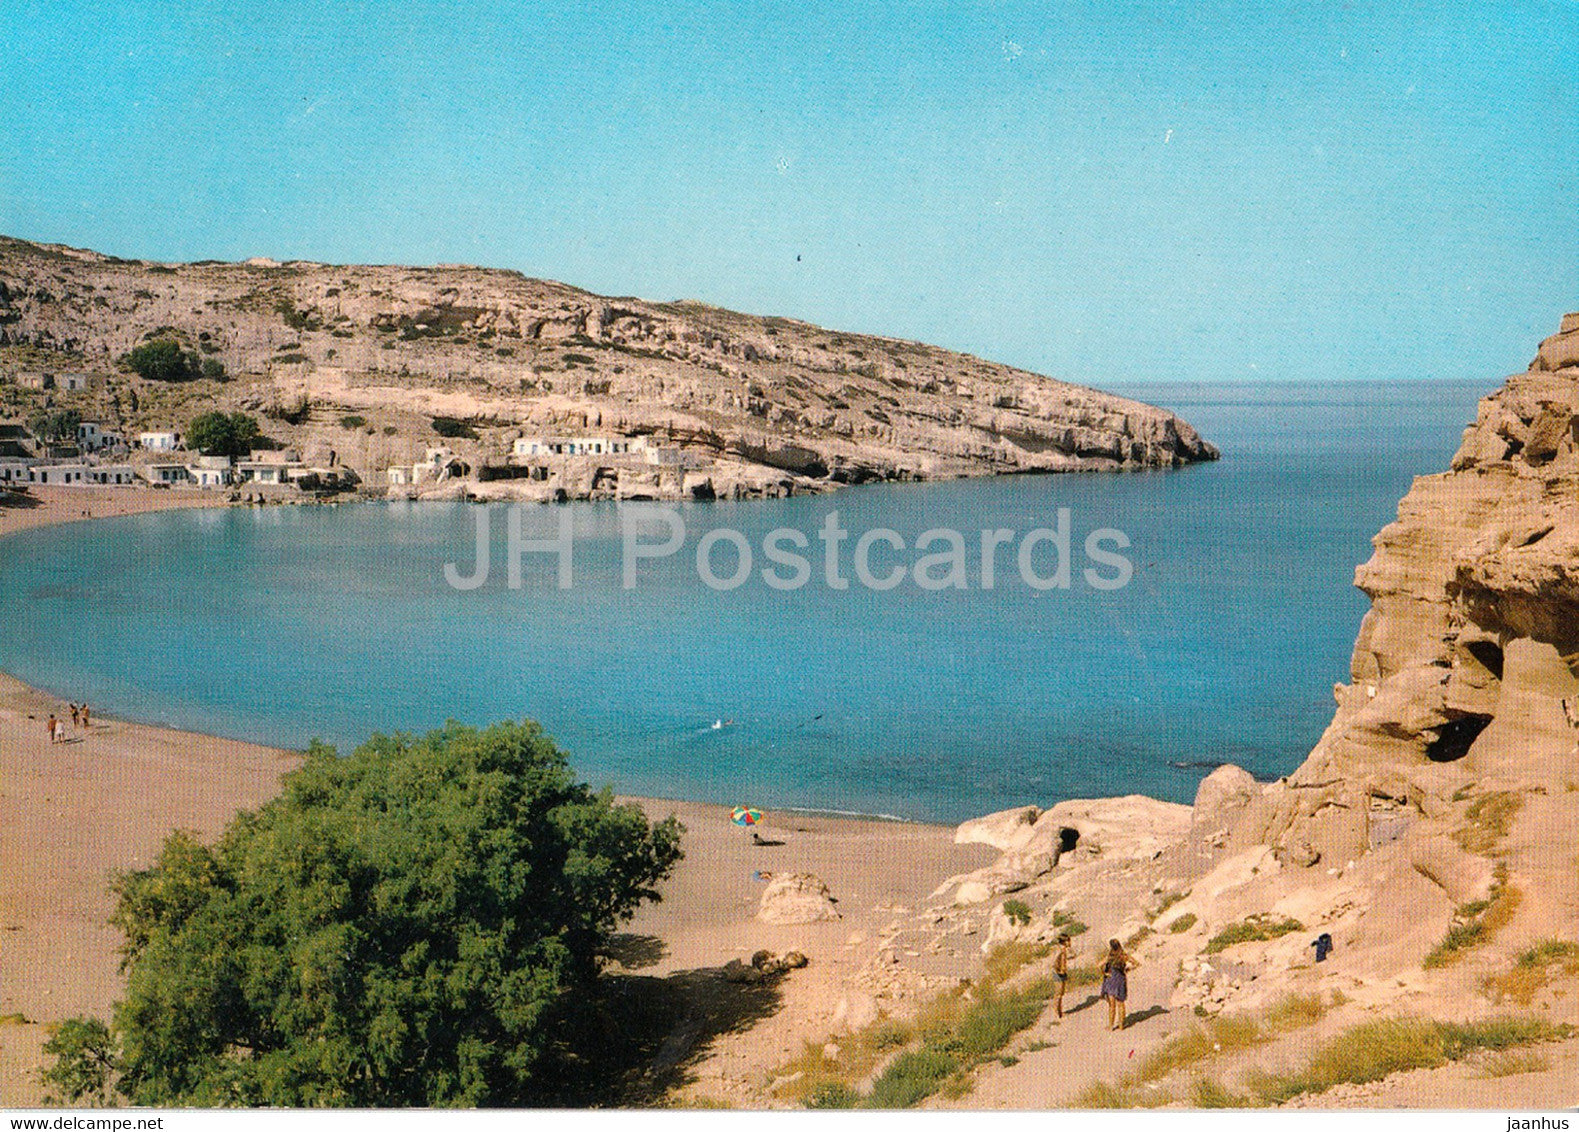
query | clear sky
[1100, 191]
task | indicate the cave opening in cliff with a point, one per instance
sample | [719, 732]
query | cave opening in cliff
[1454, 738]
[1489, 654]
[1067, 839]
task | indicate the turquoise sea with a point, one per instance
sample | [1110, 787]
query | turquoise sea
[292, 623]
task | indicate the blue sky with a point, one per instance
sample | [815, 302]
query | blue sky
[1106, 192]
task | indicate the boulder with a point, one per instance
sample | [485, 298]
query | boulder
[1004, 830]
[1220, 798]
[796, 898]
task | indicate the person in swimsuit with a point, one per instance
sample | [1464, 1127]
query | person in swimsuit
[1115, 982]
[1061, 969]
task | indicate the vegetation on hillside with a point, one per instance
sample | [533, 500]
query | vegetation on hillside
[417, 924]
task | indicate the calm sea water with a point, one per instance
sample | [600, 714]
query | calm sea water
[292, 623]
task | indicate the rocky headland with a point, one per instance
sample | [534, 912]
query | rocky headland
[362, 361]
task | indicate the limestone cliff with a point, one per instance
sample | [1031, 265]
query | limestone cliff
[361, 359]
[1471, 644]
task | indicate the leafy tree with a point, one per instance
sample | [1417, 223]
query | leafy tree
[163, 360]
[53, 426]
[224, 434]
[410, 926]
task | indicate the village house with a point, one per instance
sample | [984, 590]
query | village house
[14, 471]
[166, 475]
[270, 467]
[528, 446]
[59, 475]
[209, 471]
[400, 475]
[112, 475]
[94, 437]
[159, 441]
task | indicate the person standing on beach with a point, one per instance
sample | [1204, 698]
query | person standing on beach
[1061, 970]
[84, 717]
[76, 715]
[1115, 982]
[52, 727]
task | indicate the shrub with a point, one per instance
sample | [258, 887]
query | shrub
[913, 1077]
[163, 360]
[1018, 911]
[1254, 929]
[84, 1062]
[417, 924]
[213, 369]
[1474, 924]
[832, 1094]
[290, 359]
[353, 422]
[1182, 923]
[452, 429]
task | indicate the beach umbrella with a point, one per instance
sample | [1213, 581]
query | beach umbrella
[744, 816]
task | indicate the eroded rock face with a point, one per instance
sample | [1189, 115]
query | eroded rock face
[780, 406]
[1461, 659]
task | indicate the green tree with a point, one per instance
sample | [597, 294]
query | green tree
[54, 426]
[224, 434]
[163, 360]
[412, 925]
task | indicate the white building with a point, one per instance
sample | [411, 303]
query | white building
[169, 475]
[59, 475]
[209, 471]
[112, 475]
[94, 437]
[400, 476]
[528, 446]
[159, 441]
[14, 471]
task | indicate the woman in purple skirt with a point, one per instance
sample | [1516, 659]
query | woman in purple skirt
[1115, 982]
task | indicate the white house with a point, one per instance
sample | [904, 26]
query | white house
[94, 437]
[168, 474]
[159, 441]
[209, 471]
[14, 471]
[59, 475]
[528, 446]
[112, 475]
[400, 476]
[73, 382]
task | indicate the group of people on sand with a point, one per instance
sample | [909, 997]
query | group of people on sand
[1116, 966]
[80, 717]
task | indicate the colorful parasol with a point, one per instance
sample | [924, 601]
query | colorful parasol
[744, 816]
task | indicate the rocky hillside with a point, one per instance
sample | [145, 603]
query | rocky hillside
[781, 404]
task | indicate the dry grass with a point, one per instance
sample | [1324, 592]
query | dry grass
[1223, 1035]
[1374, 1050]
[1253, 929]
[936, 1052]
[1182, 923]
[1475, 923]
[1512, 1062]
[1533, 970]
[1488, 819]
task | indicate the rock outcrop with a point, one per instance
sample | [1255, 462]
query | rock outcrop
[796, 898]
[1471, 646]
[362, 359]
